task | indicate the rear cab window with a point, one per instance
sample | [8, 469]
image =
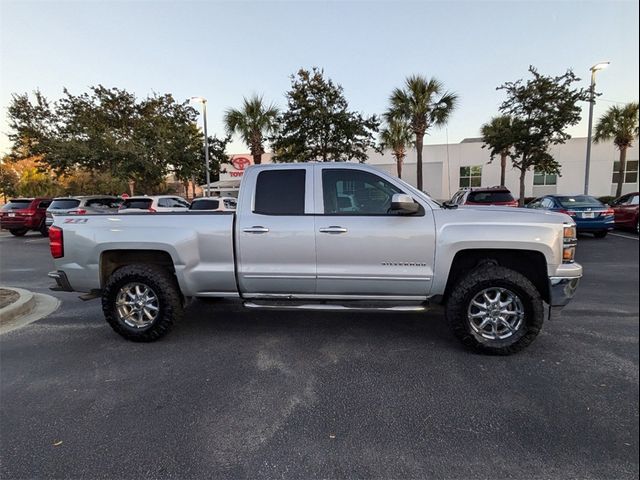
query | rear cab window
[579, 201]
[16, 205]
[280, 192]
[141, 203]
[103, 203]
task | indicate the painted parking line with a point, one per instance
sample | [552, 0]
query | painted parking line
[623, 236]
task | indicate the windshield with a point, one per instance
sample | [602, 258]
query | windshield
[142, 203]
[204, 205]
[17, 205]
[490, 197]
[64, 204]
[579, 201]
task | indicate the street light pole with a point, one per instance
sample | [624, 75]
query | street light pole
[206, 142]
[592, 101]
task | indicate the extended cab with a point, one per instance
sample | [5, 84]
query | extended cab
[295, 243]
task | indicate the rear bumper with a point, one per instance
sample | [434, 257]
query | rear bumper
[595, 225]
[62, 282]
[16, 222]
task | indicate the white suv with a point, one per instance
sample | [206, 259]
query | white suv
[157, 203]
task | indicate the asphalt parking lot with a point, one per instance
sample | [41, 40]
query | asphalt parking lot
[246, 394]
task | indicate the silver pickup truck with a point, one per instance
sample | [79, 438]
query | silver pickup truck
[331, 236]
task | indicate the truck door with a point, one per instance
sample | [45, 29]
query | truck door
[275, 232]
[363, 248]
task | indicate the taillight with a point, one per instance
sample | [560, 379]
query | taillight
[55, 242]
[570, 240]
[79, 211]
[608, 212]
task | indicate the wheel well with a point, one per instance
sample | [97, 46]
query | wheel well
[111, 260]
[530, 263]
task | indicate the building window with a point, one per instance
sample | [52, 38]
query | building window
[471, 176]
[630, 172]
[544, 179]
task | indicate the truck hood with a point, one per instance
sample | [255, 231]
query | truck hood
[492, 215]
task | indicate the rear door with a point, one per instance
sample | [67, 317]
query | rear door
[364, 249]
[275, 232]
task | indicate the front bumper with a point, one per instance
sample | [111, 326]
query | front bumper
[563, 285]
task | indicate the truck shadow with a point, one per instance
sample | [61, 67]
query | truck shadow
[224, 318]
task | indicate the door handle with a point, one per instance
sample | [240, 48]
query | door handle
[256, 229]
[333, 229]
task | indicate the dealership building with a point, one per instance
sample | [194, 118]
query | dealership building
[448, 167]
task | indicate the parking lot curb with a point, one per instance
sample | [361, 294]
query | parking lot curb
[24, 305]
[27, 309]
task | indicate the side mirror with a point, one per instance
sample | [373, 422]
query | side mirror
[404, 204]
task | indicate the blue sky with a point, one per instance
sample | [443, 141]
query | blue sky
[225, 50]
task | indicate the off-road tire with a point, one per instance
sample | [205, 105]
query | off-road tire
[19, 232]
[601, 234]
[489, 276]
[164, 285]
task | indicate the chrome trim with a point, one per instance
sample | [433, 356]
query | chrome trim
[326, 307]
[256, 229]
[354, 277]
[562, 290]
[333, 229]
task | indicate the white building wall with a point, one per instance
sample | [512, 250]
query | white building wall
[441, 168]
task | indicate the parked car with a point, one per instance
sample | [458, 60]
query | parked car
[217, 204]
[20, 215]
[291, 244]
[105, 204]
[484, 196]
[156, 203]
[589, 213]
[626, 211]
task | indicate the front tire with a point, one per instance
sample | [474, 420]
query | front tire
[495, 310]
[142, 302]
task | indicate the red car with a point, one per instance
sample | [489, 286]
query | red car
[484, 196]
[626, 211]
[23, 214]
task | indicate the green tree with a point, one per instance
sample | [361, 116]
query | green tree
[8, 181]
[107, 130]
[396, 136]
[497, 135]
[423, 103]
[619, 124]
[541, 109]
[318, 125]
[253, 122]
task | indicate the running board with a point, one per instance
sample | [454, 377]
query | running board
[333, 307]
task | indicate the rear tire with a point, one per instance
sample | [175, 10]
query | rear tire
[516, 297]
[19, 232]
[602, 234]
[44, 230]
[166, 307]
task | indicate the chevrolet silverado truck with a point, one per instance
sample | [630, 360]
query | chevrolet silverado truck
[331, 236]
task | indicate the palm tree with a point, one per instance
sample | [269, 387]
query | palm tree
[253, 121]
[621, 125]
[397, 135]
[497, 135]
[423, 103]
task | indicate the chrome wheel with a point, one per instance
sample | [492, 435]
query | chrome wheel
[495, 314]
[137, 305]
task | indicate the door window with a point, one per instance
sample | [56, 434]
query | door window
[280, 192]
[547, 203]
[356, 192]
